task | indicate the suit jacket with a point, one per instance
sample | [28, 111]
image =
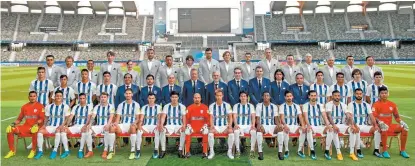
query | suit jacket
[290, 78]
[269, 72]
[234, 90]
[367, 75]
[278, 94]
[145, 71]
[309, 76]
[347, 73]
[162, 75]
[165, 94]
[136, 77]
[226, 76]
[245, 74]
[119, 97]
[300, 98]
[184, 74]
[187, 93]
[255, 92]
[144, 95]
[330, 80]
[73, 76]
[116, 74]
[94, 76]
[210, 92]
[55, 74]
[205, 74]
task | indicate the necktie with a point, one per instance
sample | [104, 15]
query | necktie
[171, 88]
[216, 86]
[128, 86]
[259, 84]
[149, 89]
[279, 86]
[301, 90]
[237, 83]
[194, 86]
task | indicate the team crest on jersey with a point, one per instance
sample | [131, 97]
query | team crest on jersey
[391, 108]
[35, 110]
[201, 111]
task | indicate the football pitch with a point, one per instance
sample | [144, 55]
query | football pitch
[14, 91]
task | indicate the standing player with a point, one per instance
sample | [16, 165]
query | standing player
[68, 92]
[42, 86]
[108, 87]
[320, 88]
[383, 110]
[357, 82]
[221, 119]
[372, 93]
[345, 94]
[85, 86]
[34, 114]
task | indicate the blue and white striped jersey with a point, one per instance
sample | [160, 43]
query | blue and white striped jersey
[128, 112]
[344, 92]
[266, 113]
[220, 113]
[244, 113]
[42, 88]
[174, 113]
[150, 114]
[373, 92]
[87, 88]
[68, 94]
[360, 112]
[354, 85]
[57, 113]
[337, 112]
[103, 113]
[322, 91]
[290, 113]
[81, 113]
[111, 89]
[315, 113]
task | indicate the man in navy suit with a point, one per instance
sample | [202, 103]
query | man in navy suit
[235, 86]
[257, 86]
[211, 88]
[278, 88]
[170, 87]
[191, 87]
[299, 90]
[150, 88]
[119, 97]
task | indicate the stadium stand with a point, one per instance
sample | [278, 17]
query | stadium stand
[274, 28]
[60, 52]
[114, 21]
[314, 50]
[378, 50]
[379, 22]
[98, 53]
[5, 54]
[51, 20]
[161, 52]
[407, 51]
[70, 29]
[149, 29]
[92, 27]
[27, 24]
[8, 25]
[30, 53]
[259, 28]
[356, 19]
[221, 41]
[343, 50]
[280, 51]
[293, 20]
[400, 23]
[134, 29]
[187, 41]
[242, 49]
[315, 25]
[337, 28]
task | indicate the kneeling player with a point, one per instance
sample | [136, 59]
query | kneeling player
[266, 121]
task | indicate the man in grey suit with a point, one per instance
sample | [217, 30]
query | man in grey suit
[226, 67]
[290, 71]
[92, 74]
[71, 71]
[309, 70]
[248, 69]
[149, 66]
[134, 74]
[184, 74]
[207, 67]
[52, 71]
[370, 69]
[330, 71]
[113, 68]
[269, 65]
[165, 71]
[347, 70]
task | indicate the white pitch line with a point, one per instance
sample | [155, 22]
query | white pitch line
[9, 118]
[406, 116]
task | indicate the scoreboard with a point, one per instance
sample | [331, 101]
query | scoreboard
[204, 20]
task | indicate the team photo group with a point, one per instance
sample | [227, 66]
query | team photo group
[235, 103]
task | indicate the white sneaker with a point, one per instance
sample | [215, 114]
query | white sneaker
[230, 155]
[211, 154]
[29, 146]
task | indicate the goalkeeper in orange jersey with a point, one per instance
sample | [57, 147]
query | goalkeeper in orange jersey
[383, 110]
[34, 114]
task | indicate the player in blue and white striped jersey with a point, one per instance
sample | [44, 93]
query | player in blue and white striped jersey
[321, 88]
[244, 120]
[68, 92]
[104, 113]
[175, 115]
[149, 122]
[85, 86]
[314, 120]
[342, 87]
[360, 113]
[56, 115]
[221, 118]
[266, 121]
[107, 87]
[127, 119]
[372, 93]
[289, 113]
[336, 114]
[42, 86]
[356, 83]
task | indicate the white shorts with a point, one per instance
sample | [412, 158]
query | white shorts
[75, 129]
[98, 129]
[125, 127]
[245, 129]
[293, 128]
[269, 129]
[51, 129]
[221, 129]
[342, 128]
[364, 128]
[149, 128]
[171, 129]
[318, 129]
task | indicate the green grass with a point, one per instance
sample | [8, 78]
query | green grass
[15, 82]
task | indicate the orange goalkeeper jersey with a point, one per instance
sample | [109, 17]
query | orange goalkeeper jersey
[32, 113]
[197, 116]
[385, 110]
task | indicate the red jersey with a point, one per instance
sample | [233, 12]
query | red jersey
[197, 116]
[385, 110]
[33, 113]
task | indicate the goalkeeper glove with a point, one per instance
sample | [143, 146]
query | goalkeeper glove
[34, 129]
[205, 129]
[10, 128]
[383, 126]
[404, 125]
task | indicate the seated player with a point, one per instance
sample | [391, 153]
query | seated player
[313, 113]
[149, 123]
[56, 115]
[34, 114]
[335, 110]
[289, 114]
[221, 118]
[127, 119]
[244, 120]
[383, 110]
[360, 112]
[266, 121]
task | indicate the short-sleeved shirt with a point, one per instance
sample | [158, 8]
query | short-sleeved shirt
[337, 112]
[68, 94]
[42, 88]
[266, 113]
[150, 114]
[384, 111]
[32, 113]
[344, 92]
[220, 113]
[360, 112]
[81, 113]
[244, 113]
[373, 92]
[128, 112]
[354, 85]
[290, 113]
[57, 113]
[198, 116]
[322, 91]
[103, 113]
[315, 113]
[111, 89]
[174, 113]
[88, 88]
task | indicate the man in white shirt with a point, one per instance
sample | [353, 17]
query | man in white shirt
[165, 71]
[356, 83]
[85, 86]
[248, 68]
[370, 69]
[321, 88]
[52, 70]
[309, 70]
[42, 86]
[207, 66]
[348, 69]
[290, 71]
[149, 66]
[330, 71]
[92, 74]
[372, 93]
[113, 68]
[134, 74]
[185, 70]
[70, 71]
[107, 87]
[68, 93]
[269, 65]
[226, 67]
[342, 87]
